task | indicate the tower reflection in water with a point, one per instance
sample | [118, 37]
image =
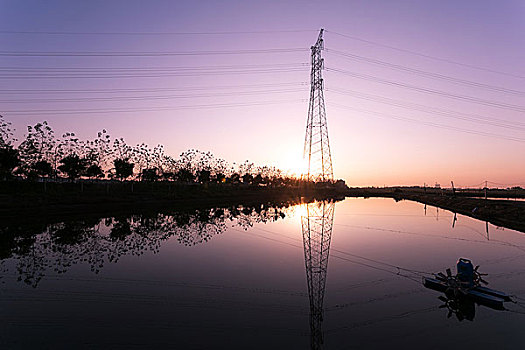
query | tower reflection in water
[317, 224]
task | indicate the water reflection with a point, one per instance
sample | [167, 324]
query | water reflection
[317, 225]
[39, 248]
[463, 308]
[250, 286]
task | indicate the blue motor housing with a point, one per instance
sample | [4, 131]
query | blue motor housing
[465, 271]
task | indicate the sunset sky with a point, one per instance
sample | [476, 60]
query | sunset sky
[416, 92]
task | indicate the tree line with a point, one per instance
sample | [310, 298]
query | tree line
[41, 154]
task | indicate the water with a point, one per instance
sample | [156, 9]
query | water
[237, 278]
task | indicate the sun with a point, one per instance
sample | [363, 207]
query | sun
[293, 164]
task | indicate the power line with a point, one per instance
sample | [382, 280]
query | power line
[148, 54]
[433, 110]
[153, 89]
[426, 56]
[156, 68]
[435, 125]
[157, 33]
[429, 91]
[149, 75]
[152, 97]
[510, 184]
[144, 109]
[423, 73]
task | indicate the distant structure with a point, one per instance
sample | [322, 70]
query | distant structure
[316, 144]
[317, 227]
[317, 224]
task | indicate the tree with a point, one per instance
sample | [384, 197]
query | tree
[94, 171]
[234, 178]
[122, 164]
[43, 168]
[204, 176]
[9, 160]
[6, 133]
[185, 175]
[150, 174]
[258, 179]
[103, 149]
[220, 178]
[141, 157]
[123, 168]
[9, 156]
[247, 178]
[38, 146]
[73, 166]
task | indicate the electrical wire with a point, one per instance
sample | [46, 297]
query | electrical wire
[146, 53]
[434, 110]
[144, 109]
[426, 55]
[435, 125]
[75, 69]
[429, 91]
[146, 90]
[158, 33]
[149, 75]
[152, 97]
[423, 73]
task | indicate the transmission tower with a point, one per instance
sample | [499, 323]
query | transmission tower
[317, 233]
[316, 144]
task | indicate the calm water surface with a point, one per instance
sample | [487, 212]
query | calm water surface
[238, 279]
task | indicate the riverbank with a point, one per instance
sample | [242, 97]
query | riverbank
[500, 212]
[37, 199]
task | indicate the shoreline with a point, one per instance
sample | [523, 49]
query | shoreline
[67, 200]
[495, 209]
[36, 199]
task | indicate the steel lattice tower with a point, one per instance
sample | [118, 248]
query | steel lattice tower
[317, 233]
[316, 144]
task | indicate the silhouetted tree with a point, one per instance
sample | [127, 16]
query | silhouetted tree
[123, 168]
[258, 179]
[73, 166]
[38, 146]
[234, 178]
[40, 155]
[43, 168]
[9, 157]
[103, 149]
[149, 174]
[6, 133]
[247, 178]
[9, 160]
[220, 178]
[167, 176]
[185, 175]
[94, 171]
[204, 176]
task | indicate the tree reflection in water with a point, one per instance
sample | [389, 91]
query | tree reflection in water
[36, 249]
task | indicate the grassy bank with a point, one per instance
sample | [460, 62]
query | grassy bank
[500, 212]
[32, 198]
[430, 191]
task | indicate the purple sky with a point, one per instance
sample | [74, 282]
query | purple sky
[261, 115]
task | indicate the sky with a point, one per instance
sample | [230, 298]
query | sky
[416, 92]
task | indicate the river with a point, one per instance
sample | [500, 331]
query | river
[238, 278]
